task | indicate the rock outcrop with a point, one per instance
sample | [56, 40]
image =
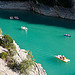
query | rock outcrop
[57, 11]
[15, 5]
[4, 70]
[19, 57]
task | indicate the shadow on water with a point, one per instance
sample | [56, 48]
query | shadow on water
[31, 17]
[19, 29]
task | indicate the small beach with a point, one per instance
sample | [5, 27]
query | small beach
[45, 38]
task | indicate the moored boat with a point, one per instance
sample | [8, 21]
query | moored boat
[11, 17]
[62, 58]
[16, 17]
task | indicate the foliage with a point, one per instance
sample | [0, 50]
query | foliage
[3, 55]
[12, 49]
[7, 42]
[27, 50]
[0, 31]
[11, 63]
[29, 56]
[26, 64]
[7, 39]
[3, 44]
[30, 53]
[33, 59]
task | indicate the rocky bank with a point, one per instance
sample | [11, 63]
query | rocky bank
[56, 11]
[21, 55]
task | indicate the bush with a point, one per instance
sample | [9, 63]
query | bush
[7, 39]
[12, 65]
[30, 53]
[11, 62]
[26, 64]
[12, 50]
[3, 44]
[3, 55]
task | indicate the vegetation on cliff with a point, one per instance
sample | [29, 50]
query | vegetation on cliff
[7, 42]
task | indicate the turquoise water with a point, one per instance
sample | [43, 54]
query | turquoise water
[45, 38]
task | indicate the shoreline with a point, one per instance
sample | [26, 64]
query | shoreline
[57, 11]
[20, 56]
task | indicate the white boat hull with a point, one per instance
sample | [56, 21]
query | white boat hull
[24, 28]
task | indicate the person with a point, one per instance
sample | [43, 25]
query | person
[63, 57]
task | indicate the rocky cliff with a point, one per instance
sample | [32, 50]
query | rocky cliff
[19, 57]
[57, 11]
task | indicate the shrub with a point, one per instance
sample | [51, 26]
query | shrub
[26, 64]
[12, 46]
[11, 63]
[3, 55]
[12, 52]
[29, 56]
[8, 39]
[27, 50]
[3, 44]
[30, 53]
[33, 59]
[12, 49]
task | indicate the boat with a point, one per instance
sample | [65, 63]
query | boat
[23, 27]
[16, 17]
[11, 17]
[62, 58]
[67, 35]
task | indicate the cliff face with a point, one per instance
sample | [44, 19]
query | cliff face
[73, 2]
[63, 3]
[19, 57]
[57, 11]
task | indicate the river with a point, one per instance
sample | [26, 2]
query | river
[44, 38]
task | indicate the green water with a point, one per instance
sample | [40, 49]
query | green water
[45, 38]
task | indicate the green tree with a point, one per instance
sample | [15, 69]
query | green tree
[3, 55]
